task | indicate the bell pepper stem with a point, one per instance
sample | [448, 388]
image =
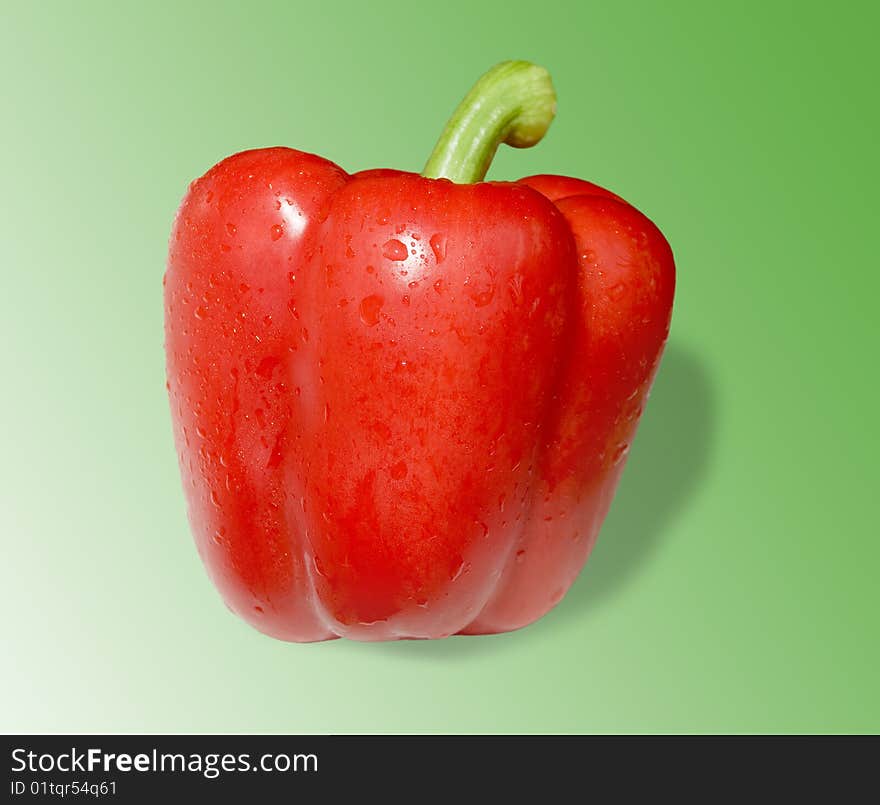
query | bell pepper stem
[513, 103]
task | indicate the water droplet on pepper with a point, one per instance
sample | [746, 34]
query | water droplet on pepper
[394, 250]
[438, 246]
[369, 309]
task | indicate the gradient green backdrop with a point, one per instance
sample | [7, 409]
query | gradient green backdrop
[734, 586]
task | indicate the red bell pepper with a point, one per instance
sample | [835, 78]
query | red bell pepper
[402, 402]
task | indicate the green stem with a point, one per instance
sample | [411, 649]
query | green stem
[513, 103]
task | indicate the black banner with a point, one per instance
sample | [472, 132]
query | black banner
[144, 768]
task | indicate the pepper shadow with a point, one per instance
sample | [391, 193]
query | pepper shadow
[670, 454]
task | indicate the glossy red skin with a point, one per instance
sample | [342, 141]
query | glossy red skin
[401, 404]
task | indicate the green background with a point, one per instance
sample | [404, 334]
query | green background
[734, 586]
